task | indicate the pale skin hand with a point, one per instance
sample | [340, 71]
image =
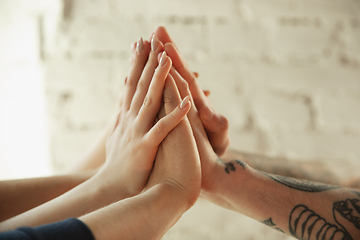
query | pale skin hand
[177, 161]
[18, 196]
[208, 157]
[131, 148]
[173, 186]
[215, 124]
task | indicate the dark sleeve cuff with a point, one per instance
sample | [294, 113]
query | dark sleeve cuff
[69, 229]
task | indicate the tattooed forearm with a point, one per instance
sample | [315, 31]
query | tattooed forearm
[302, 185]
[269, 222]
[347, 213]
[305, 224]
[313, 171]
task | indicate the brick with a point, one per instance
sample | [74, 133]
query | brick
[324, 8]
[69, 147]
[77, 74]
[279, 110]
[186, 7]
[340, 110]
[238, 37]
[311, 79]
[319, 145]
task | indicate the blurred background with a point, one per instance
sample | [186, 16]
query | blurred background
[286, 73]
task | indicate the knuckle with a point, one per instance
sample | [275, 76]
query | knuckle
[140, 85]
[160, 126]
[191, 80]
[147, 101]
[168, 98]
[131, 82]
[224, 122]
[184, 85]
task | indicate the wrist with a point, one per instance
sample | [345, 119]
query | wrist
[153, 211]
[228, 177]
[105, 191]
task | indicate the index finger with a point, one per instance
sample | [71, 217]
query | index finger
[182, 68]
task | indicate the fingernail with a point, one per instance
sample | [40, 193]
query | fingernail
[163, 59]
[154, 42]
[140, 46]
[185, 102]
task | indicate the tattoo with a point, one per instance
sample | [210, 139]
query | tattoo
[302, 185]
[305, 224]
[312, 171]
[269, 222]
[348, 210]
[355, 192]
[229, 166]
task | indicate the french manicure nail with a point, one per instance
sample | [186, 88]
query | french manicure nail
[154, 42]
[185, 102]
[163, 59]
[140, 46]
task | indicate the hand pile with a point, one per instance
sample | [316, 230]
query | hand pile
[166, 131]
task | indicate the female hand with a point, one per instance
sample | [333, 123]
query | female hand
[216, 125]
[177, 162]
[132, 145]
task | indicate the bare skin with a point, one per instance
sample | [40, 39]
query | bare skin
[130, 148]
[18, 196]
[173, 187]
[299, 208]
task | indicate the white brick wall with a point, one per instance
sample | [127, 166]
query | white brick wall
[285, 73]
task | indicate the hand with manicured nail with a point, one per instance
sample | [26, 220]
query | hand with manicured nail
[215, 124]
[131, 146]
[177, 162]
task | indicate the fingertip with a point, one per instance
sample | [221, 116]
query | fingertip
[207, 93]
[185, 102]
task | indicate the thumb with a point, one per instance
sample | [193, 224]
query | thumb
[217, 128]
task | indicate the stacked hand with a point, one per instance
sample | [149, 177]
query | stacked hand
[175, 140]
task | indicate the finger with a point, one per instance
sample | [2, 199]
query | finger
[147, 74]
[171, 95]
[115, 124]
[152, 101]
[207, 93]
[161, 129]
[180, 65]
[163, 35]
[138, 63]
[217, 129]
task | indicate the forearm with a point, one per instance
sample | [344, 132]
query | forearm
[313, 171]
[146, 216]
[18, 196]
[86, 197]
[288, 205]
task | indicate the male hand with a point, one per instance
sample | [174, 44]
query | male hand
[215, 124]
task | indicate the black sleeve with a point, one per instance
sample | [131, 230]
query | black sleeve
[69, 229]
